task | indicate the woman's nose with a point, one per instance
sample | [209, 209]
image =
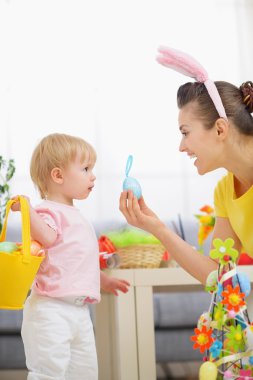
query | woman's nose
[181, 146]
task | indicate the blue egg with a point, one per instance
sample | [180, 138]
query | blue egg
[241, 322]
[132, 184]
[243, 281]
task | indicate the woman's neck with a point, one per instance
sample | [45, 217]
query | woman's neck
[241, 187]
[239, 161]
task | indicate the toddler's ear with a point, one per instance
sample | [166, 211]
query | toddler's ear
[56, 175]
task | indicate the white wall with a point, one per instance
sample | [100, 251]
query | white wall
[88, 68]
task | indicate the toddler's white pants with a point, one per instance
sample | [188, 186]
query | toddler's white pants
[59, 340]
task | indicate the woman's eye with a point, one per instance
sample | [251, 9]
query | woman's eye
[86, 169]
[184, 134]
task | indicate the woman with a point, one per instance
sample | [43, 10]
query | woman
[217, 131]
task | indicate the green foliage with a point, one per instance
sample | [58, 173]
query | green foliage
[7, 170]
[131, 236]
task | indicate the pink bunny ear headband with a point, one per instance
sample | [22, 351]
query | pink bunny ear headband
[187, 65]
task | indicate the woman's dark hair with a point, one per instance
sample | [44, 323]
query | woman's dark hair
[238, 103]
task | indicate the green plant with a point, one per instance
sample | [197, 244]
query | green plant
[7, 170]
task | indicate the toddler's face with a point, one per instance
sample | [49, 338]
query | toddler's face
[78, 178]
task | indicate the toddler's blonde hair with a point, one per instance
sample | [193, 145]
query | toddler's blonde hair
[57, 150]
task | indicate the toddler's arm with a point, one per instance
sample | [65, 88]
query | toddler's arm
[40, 231]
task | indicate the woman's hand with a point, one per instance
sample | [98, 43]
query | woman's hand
[137, 212]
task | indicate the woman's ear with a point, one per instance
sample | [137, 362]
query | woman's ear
[56, 175]
[221, 126]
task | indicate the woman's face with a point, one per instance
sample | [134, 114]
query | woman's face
[199, 143]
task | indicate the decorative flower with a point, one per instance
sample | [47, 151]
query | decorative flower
[203, 339]
[208, 209]
[245, 374]
[219, 314]
[233, 298]
[235, 338]
[231, 314]
[223, 251]
[215, 349]
[228, 375]
[206, 224]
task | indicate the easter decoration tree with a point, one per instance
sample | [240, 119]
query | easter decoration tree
[224, 333]
[206, 224]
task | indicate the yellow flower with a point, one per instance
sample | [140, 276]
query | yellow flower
[235, 338]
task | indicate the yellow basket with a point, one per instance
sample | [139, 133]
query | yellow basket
[17, 269]
[141, 256]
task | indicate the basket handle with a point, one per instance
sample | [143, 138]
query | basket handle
[25, 219]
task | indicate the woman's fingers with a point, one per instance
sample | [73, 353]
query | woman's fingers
[142, 202]
[123, 203]
[130, 201]
[127, 200]
[136, 206]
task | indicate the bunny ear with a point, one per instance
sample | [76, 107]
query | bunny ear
[187, 65]
[182, 62]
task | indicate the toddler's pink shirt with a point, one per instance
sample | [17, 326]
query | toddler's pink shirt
[71, 266]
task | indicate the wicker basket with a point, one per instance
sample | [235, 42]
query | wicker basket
[141, 256]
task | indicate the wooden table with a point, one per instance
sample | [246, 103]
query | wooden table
[124, 326]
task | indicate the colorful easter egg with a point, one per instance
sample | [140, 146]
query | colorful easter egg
[204, 320]
[208, 371]
[243, 280]
[8, 247]
[131, 183]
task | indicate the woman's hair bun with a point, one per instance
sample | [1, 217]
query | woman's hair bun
[247, 93]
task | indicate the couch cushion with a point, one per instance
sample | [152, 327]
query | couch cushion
[10, 321]
[175, 345]
[179, 309]
[12, 353]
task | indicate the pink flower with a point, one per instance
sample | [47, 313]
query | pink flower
[246, 374]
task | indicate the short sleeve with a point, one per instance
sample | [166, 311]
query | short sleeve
[51, 218]
[220, 198]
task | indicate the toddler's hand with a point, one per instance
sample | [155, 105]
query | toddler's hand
[113, 285]
[16, 205]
